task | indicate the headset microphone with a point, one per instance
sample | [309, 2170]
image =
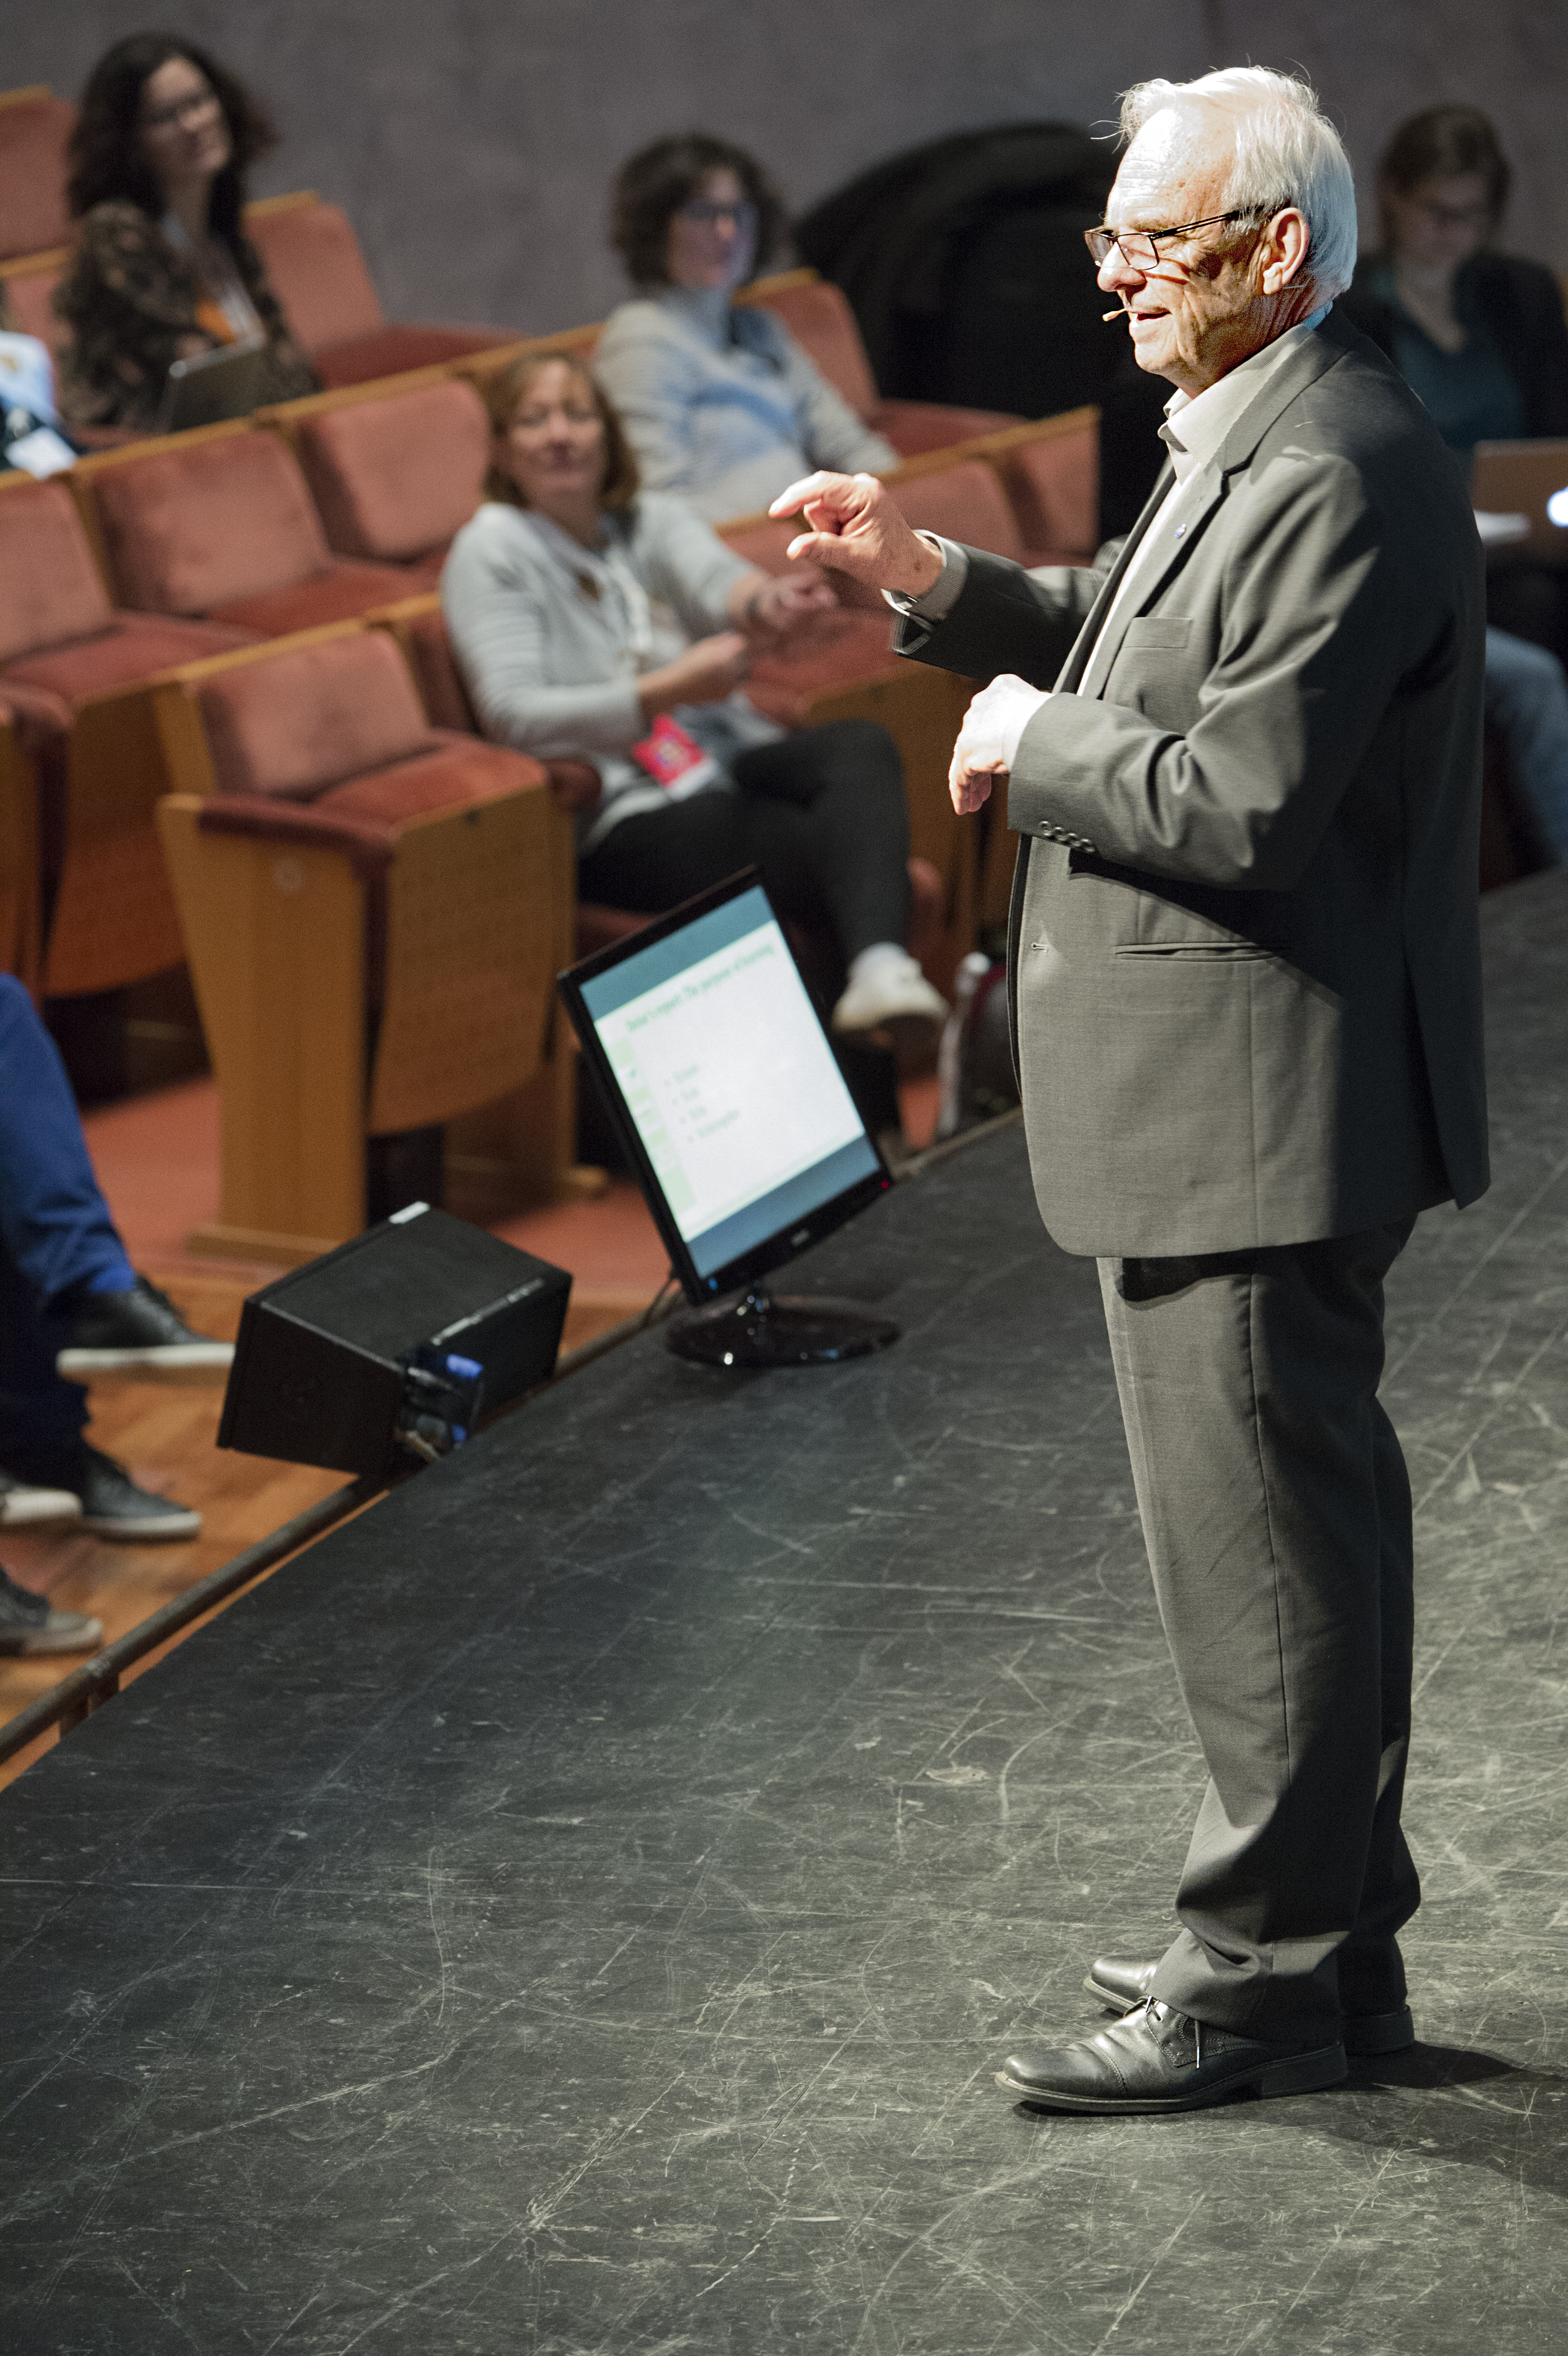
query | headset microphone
[1119, 312]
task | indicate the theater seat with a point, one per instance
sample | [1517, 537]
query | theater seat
[394, 479]
[965, 502]
[375, 912]
[220, 523]
[69, 664]
[35, 128]
[819, 316]
[1052, 481]
[318, 272]
[29, 291]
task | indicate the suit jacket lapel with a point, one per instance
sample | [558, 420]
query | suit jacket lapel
[1072, 669]
[1168, 543]
[1171, 537]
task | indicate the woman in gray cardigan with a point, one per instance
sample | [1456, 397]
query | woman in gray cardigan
[721, 404]
[596, 623]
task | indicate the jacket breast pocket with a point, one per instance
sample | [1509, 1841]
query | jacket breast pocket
[1158, 630]
[1159, 669]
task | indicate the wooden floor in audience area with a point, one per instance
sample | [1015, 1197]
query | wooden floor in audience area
[156, 1159]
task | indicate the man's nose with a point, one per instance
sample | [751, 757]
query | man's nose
[1117, 274]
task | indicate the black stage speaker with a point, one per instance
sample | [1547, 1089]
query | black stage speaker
[389, 1347]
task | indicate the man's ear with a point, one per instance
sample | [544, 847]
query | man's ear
[1284, 250]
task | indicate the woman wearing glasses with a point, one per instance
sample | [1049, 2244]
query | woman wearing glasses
[720, 403]
[162, 270]
[1480, 337]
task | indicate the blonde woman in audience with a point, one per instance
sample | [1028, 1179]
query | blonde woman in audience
[162, 270]
[605, 626]
[720, 403]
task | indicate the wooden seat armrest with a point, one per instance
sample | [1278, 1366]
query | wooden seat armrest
[265, 819]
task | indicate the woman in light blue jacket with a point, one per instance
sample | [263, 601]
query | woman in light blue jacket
[721, 403]
[597, 623]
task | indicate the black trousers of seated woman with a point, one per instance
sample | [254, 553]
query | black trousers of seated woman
[822, 815]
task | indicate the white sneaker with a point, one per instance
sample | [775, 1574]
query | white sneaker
[25, 1508]
[889, 992]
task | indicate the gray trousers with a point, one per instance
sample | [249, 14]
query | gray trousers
[1276, 1512]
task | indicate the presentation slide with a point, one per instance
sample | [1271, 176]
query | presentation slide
[727, 1072]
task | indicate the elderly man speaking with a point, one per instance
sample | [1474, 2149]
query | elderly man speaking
[1245, 766]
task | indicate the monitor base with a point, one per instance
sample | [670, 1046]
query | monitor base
[758, 1331]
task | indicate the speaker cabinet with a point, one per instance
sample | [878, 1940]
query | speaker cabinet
[423, 1314]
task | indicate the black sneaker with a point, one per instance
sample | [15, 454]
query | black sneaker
[111, 1504]
[141, 1334]
[24, 1507]
[29, 1624]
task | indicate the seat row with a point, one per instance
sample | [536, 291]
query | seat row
[137, 561]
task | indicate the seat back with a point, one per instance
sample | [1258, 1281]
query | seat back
[200, 522]
[965, 502]
[50, 589]
[1053, 483]
[311, 256]
[395, 478]
[434, 666]
[35, 127]
[30, 298]
[819, 318]
[292, 725]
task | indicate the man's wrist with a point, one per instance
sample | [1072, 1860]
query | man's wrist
[948, 572]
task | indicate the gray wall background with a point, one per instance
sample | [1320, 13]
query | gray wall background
[472, 141]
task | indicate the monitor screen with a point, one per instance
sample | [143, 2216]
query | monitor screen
[725, 1087]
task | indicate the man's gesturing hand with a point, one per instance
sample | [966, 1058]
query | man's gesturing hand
[856, 528]
[988, 740]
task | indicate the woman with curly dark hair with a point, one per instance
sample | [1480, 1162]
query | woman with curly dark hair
[162, 270]
[721, 403]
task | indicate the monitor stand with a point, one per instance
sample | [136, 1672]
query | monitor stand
[758, 1331]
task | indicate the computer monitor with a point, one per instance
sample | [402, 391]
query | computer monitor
[722, 1082]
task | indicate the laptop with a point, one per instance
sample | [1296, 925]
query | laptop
[214, 386]
[1528, 479]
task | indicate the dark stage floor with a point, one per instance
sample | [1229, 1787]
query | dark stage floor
[580, 1905]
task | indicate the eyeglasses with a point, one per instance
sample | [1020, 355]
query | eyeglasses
[184, 110]
[1140, 247]
[703, 214]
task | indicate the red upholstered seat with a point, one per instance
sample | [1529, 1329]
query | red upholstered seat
[35, 127]
[819, 318]
[965, 502]
[226, 528]
[30, 297]
[328, 744]
[441, 689]
[318, 275]
[394, 479]
[132, 647]
[50, 588]
[309, 718]
[60, 640]
[1053, 485]
[394, 349]
[917, 427]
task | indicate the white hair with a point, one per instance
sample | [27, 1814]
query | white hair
[1286, 152]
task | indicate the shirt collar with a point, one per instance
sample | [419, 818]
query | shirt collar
[706, 310]
[1196, 424]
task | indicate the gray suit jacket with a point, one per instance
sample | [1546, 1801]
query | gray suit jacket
[1245, 951]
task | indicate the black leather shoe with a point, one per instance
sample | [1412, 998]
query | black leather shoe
[1158, 2059]
[1123, 1986]
[138, 1334]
